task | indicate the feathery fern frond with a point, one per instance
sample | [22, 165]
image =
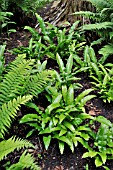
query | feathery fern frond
[7, 146]
[98, 26]
[12, 84]
[25, 161]
[20, 80]
[106, 51]
[87, 14]
[8, 112]
[38, 82]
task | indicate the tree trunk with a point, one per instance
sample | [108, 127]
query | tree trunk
[61, 11]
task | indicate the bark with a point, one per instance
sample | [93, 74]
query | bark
[62, 10]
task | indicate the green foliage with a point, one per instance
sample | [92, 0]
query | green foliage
[5, 21]
[26, 5]
[102, 24]
[51, 40]
[8, 112]
[62, 119]
[8, 146]
[22, 78]
[26, 161]
[103, 81]
[102, 143]
[66, 76]
[2, 60]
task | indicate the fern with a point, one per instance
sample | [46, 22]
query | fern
[106, 51]
[7, 146]
[37, 83]
[98, 26]
[13, 82]
[20, 80]
[8, 112]
[25, 161]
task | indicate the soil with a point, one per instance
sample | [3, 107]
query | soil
[52, 159]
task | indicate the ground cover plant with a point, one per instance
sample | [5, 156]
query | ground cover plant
[58, 76]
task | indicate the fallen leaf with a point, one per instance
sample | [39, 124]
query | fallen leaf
[92, 113]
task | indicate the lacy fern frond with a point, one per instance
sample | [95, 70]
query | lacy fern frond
[12, 84]
[8, 146]
[87, 14]
[106, 50]
[25, 161]
[38, 82]
[8, 112]
[98, 26]
[20, 80]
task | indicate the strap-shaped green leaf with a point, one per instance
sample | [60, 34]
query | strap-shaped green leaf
[92, 55]
[61, 146]
[70, 95]
[60, 62]
[69, 64]
[90, 154]
[69, 126]
[81, 95]
[64, 93]
[42, 24]
[86, 99]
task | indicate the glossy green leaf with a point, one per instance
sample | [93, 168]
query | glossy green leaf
[70, 95]
[64, 92]
[34, 106]
[47, 141]
[103, 120]
[90, 154]
[98, 162]
[61, 146]
[57, 99]
[96, 69]
[60, 62]
[69, 64]
[55, 121]
[86, 99]
[69, 126]
[85, 136]
[30, 133]
[29, 117]
[84, 143]
[62, 132]
[62, 117]
[66, 140]
[103, 156]
[42, 24]
[92, 55]
[106, 168]
[85, 116]
[46, 130]
[81, 95]
[51, 107]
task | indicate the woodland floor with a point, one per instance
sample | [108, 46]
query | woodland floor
[52, 159]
